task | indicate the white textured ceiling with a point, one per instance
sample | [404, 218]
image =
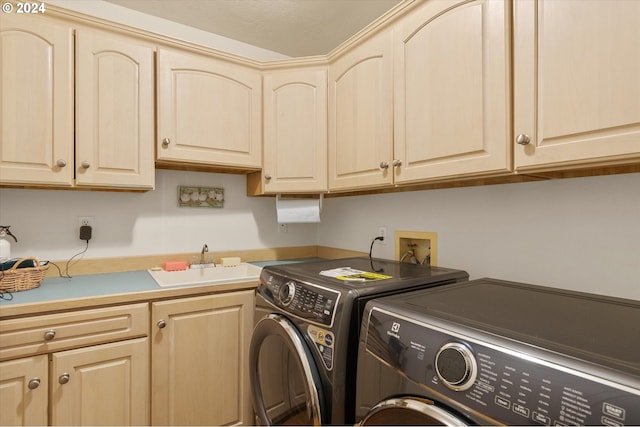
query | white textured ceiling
[291, 27]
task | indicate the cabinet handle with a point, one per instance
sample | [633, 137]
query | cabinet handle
[64, 378]
[85, 164]
[34, 384]
[384, 165]
[166, 142]
[267, 177]
[397, 163]
[523, 139]
[49, 335]
[61, 163]
[161, 324]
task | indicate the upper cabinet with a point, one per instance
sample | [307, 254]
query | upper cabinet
[36, 101]
[209, 112]
[361, 115]
[434, 92]
[295, 133]
[113, 121]
[452, 90]
[577, 83]
[114, 111]
[428, 99]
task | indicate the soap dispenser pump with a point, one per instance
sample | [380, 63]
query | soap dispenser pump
[5, 246]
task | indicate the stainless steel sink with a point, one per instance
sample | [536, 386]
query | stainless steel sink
[243, 272]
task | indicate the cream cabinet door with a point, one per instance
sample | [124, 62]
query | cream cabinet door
[295, 131]
[200, 371]
[576, 82]
[101, 385]
[361, 116]
[114, 111]
[452, 90]
[36, 101]
[209, 111]
[24, 391]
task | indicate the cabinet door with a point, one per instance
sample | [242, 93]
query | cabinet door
[24, 391]
[114, 111]
[577, 84]
[36, 101]
[361, 116]
[295, 131]
[101, 385]
[209, 111]
[452, 90]
[199, 360]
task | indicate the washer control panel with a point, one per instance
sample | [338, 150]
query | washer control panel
[508, 386]
[307, 301]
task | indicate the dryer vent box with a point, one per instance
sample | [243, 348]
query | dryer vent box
[416, 247]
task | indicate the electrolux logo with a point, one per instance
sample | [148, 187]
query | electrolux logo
[395, 328]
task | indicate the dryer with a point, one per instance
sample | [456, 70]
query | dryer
[493, 352]
[304, 346]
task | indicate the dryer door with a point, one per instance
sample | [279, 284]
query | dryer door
[286, 387]
[410, 410]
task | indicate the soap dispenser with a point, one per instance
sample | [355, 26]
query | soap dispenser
[5, 246]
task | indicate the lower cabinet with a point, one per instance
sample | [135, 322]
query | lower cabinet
[105, 367]
[101, 385]
[24, 393]
[199, 367]
[87, 367]
[98, 385]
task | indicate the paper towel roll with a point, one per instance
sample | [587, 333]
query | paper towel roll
[298, 210]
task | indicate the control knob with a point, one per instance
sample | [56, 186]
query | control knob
[287, 292]
[456, 366]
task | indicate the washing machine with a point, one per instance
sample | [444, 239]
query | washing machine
[492, 352]
[303, 351]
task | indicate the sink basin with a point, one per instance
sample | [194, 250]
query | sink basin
[243, 272]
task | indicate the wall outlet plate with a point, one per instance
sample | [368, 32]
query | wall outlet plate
[382, 231]
[85, 220]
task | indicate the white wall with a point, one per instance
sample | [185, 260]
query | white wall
[581, 234]
[46, 221]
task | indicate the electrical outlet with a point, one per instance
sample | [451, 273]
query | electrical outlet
[382, 231]
[282, 228]
[85, 220]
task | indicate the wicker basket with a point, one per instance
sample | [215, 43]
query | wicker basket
[22, 279]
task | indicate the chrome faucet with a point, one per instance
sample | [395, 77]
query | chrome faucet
[205, 248]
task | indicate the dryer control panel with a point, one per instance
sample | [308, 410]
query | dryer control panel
[501, 382]
[307, 301]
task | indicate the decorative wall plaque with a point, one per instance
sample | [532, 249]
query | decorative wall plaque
[200, 197]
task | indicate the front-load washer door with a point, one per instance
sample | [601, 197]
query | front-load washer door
[285, 382]
[410, 410]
